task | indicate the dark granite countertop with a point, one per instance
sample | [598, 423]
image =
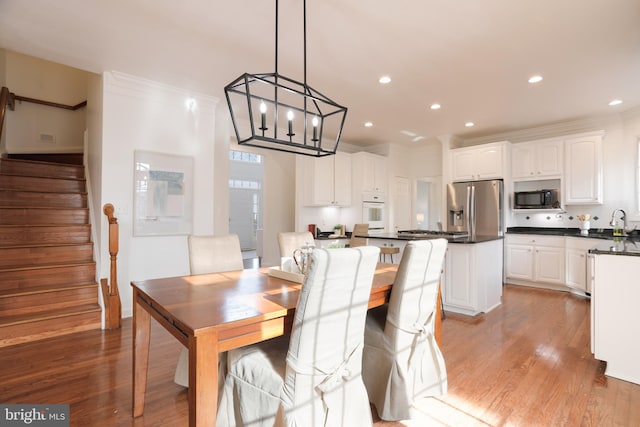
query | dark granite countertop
[617, 246]
[594, 233]
[610, 245]
[395, 236]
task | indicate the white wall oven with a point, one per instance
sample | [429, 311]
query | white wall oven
[373, 211]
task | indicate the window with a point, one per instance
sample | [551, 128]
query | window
[242, 156]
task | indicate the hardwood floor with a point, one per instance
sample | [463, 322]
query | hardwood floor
[526, 363]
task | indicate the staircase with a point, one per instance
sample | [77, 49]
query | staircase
[47, 269]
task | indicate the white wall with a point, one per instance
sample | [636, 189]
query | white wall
[143, 115]
[36, 78]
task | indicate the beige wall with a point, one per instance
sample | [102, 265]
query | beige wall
[63, 130]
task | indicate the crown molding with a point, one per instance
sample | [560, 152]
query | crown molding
[552, 130]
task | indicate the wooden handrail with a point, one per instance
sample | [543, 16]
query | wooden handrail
[110, 293]
[4, 100]
[12, 98]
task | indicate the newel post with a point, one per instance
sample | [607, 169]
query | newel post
[110, 293]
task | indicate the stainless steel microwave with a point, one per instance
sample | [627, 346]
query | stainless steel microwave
[538, 199]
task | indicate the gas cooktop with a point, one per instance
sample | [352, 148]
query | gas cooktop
[419, 233]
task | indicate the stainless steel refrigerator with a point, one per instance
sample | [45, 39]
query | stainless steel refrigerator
[475, 207]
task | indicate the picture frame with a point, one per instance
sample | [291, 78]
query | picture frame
[163, 194]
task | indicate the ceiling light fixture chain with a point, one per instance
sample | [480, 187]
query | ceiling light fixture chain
[285, 97]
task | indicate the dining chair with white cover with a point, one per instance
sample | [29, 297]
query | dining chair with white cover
[401, 359]
[312, 377]
[289, 241]
[208, 254]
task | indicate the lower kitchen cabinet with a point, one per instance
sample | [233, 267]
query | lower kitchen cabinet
[535, 259]
[472, 280]
[578, 262]
[554, 262]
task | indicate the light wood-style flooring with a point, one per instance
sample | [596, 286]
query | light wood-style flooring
[526, 363]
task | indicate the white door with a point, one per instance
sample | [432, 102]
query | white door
[243, 216]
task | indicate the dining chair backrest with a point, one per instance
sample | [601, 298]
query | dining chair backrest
[358, 230]
[414, 294]
[325, 348]
[213, 254]
[289, 241]
[209, 254]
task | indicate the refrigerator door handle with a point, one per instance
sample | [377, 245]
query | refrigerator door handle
[470, 207]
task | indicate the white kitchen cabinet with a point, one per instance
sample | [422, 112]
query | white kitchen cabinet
[326, 180]
[532, 259]
[583, 170]
[537, 160]
[480, 162]
[369, 172]
[577, 262]
[472, 280]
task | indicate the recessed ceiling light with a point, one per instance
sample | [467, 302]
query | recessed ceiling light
[384, 80]
[615, 102]
[368, 124]
[469, 124]
[408, 133]
[435, 106]
[535, 79]
[418, 138]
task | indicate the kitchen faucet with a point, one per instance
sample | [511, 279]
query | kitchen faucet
[623, 218]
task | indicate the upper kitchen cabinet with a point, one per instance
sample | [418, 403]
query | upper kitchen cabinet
[583, 169]
[369, 172]
[480, 162]
[537, 160]
[326, 180]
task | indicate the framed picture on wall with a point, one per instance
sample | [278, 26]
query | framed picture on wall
[163, 194]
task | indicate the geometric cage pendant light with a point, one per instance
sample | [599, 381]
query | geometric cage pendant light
[276, 112]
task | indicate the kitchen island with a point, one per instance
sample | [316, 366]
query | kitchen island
[472, 276]
[615, 318]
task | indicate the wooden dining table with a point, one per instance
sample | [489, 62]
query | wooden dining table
[213, 313]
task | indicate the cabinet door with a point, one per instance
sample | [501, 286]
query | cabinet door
[583, 170]
[463, 165]
[549, 158]
[379, 174]
[549, 265]
[522, 161]
[577, 269]
[489, 162]
[460, 285]
[519, 262]
[342, 179]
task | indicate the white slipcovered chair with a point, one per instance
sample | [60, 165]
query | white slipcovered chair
[289, 241]
[312, 378]
[209, 254]
[401, 360]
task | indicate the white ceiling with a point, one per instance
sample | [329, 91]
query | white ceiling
[472, 56]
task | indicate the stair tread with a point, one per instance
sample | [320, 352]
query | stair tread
[42, 162]
[51, 314]
[6, 293]
[42, 267]
[42, 225]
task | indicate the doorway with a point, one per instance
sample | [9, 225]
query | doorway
[428, 201]
[246, 171]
